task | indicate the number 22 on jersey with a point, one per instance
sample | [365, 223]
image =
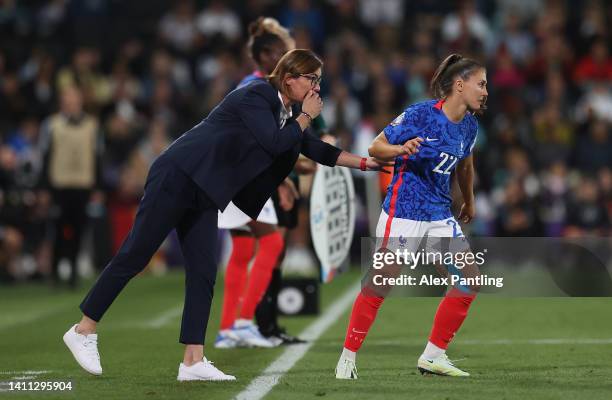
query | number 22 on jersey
[446, 165]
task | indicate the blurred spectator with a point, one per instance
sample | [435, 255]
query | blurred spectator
[594, 149]
[551, 56]
[466, 30]
[11, 242]
[71, 172]
[342, 111]
[217, 22]
[525, 9]
[420, 71]
[13, 101]
[592, 23]
[346, 17]
[381, 12]
[24, 143]
[507, 75]
[553, 203]
[595, 104]
[587, 215]
[516, 215]
[302, 14]
[11, 237]
[554, 135]
[596, 67]
[40, 90]
[84, 73]
[604, 178]
[50, 18]
[90, 22]
[178, 28]
[514, 39]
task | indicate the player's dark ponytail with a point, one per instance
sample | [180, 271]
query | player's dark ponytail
[264, 33]
[453, 66]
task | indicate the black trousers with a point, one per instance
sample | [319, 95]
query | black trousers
[69, 226]
[171, 200]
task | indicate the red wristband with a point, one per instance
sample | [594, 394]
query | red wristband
[362, 165]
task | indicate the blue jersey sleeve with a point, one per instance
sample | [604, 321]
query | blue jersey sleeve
[403, 127]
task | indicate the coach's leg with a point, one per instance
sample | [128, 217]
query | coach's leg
[198, 235]
[159, 210]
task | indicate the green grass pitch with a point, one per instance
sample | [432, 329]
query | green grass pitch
[504, 344]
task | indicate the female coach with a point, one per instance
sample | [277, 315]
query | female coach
[241, 152]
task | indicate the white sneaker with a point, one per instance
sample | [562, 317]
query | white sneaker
[84, 348]
[226, 340]
[439, 366]
[202, 371]
[249, 335]
[346, 368]
[275, 340]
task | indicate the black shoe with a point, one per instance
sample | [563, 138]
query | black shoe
[281, 336]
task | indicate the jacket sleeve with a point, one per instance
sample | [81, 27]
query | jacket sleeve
[319, 151]
[257, 112]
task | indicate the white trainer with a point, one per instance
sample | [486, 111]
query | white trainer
[346, 368]
[202, 371]
[84, 348]
[439, 366]
[226, 340]
[248, 335]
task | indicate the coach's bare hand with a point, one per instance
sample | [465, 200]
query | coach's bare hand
[374, 164]
[467, 213]
[312, 104]
[411, 147]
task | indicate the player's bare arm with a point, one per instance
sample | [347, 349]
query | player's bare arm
[465, 178]
[383, 150]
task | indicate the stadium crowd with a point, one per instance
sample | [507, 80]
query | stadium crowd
[137, 74]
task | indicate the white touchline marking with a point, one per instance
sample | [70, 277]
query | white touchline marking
[19, 376]
[9, 321]
[262, 385]
[29, 372]
[164, 318]
[539, 341]
[484, 342]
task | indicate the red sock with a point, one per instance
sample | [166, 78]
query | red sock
[235, 277]
[364, 312]
[450, 315]
[270, 248]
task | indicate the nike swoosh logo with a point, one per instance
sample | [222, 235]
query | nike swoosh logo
[356, 331]
[428, 139]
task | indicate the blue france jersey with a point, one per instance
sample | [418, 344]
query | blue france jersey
[420, 188]
[255, 76]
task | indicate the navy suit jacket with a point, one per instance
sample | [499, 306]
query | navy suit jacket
[240, 153]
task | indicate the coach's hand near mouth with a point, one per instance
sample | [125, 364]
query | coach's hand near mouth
[199, 174]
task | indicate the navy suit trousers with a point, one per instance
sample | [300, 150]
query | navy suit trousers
[171, 200]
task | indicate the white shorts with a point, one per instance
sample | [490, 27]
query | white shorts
[395, 233]
[233, 217]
